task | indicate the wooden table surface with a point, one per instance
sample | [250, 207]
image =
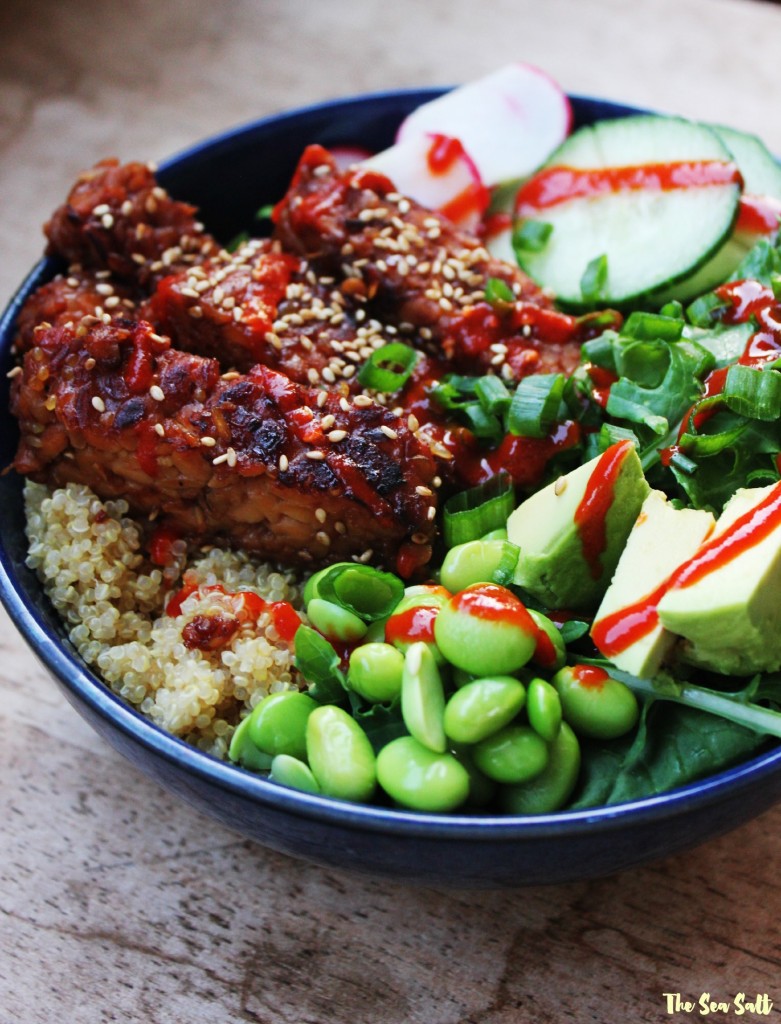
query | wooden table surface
[120, 903]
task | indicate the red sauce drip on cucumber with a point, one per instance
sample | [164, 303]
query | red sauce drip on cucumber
[561, 184]
[591, 513]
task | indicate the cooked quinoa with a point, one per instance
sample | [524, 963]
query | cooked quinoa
[89, 556]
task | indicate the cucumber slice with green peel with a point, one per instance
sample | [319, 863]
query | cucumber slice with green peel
[760, 170]
[761, 175]
[636, 224]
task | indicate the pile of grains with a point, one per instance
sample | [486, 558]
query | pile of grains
[89, 557]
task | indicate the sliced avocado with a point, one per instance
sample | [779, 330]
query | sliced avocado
[730, 616]
[572, 532]
[661, 539]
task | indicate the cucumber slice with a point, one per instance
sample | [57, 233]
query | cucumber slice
[649, 239]
[761, 175]
[760, 169]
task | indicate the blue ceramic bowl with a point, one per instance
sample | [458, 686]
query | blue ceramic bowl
[228, 178]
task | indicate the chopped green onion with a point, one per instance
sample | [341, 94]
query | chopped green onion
[264, 213]
[672, 308]
[703, 312]
[237, 241]
[535, 404]
[498, 292]
[601, 351]
[471, 514]
[531, 236]
[752, 392]
[504, 573]
[388, 368]
[481, 423]
[454, 392]
[594, 280]
[361, 589]
[493, 395]
[683, 463]
[652, 326]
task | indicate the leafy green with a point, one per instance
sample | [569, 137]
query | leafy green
[673, 745]
[318, 663]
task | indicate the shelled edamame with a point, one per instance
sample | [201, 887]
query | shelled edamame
[438, 700]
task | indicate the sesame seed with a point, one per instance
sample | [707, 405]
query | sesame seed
[413, 424]
[323, 538]
[316, 455]
[424, 492]
[327, 421]
[344, 405]
[195, 312]
[348, 372]
[98, 403]
[431, 513]
[389, 432]
[321, 515]
[340, 527]
[337, 435]
[111, 301]
[160, 429]
[208, 442]
[14, 372]
[219, 459]
[101, 209]
[312, 375]
[362, 401]
[157, 393]
[283, 463]
[322, 398]
[329, 375]
[560, 486]
[107, 221]
[232, 457]
[366, 556]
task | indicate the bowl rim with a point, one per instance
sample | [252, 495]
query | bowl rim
[62, 661]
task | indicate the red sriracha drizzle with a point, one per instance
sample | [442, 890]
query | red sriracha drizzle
[442, 154]
[247, 607]
[591, 513]
[560, 184]
[624, 627]
[412, 624]
[590, 676]
[491, 602]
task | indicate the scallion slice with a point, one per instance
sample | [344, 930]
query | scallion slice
[753, 392]
[498, 292]
[594, 279]
[361, 589]
[652, 326]
[535, 404]
[531, 236]
[493, 395]
[388, 368]
[471, 514]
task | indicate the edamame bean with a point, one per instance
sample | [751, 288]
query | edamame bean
[423, 698]
[595, 704]
[419, 778]
[550, 651]
[376, 671]
[500, 533]
[340, 755]
[289, 771]
[243, 751]
[514, 754]
[485, 630]
[483, 707]
[551, 789]
[476, 562]
[412, 620]
[543, 709]
[335, 622]
[277, 724]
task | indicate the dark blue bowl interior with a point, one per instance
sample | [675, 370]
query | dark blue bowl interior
[229, 178]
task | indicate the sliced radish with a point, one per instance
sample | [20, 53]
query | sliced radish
[509, 121]
[437, 172]
[348, 156]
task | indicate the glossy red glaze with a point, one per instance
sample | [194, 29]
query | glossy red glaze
[412, 624]
[591, 676]
[615, 633]
[561, 184]
[591, 513]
